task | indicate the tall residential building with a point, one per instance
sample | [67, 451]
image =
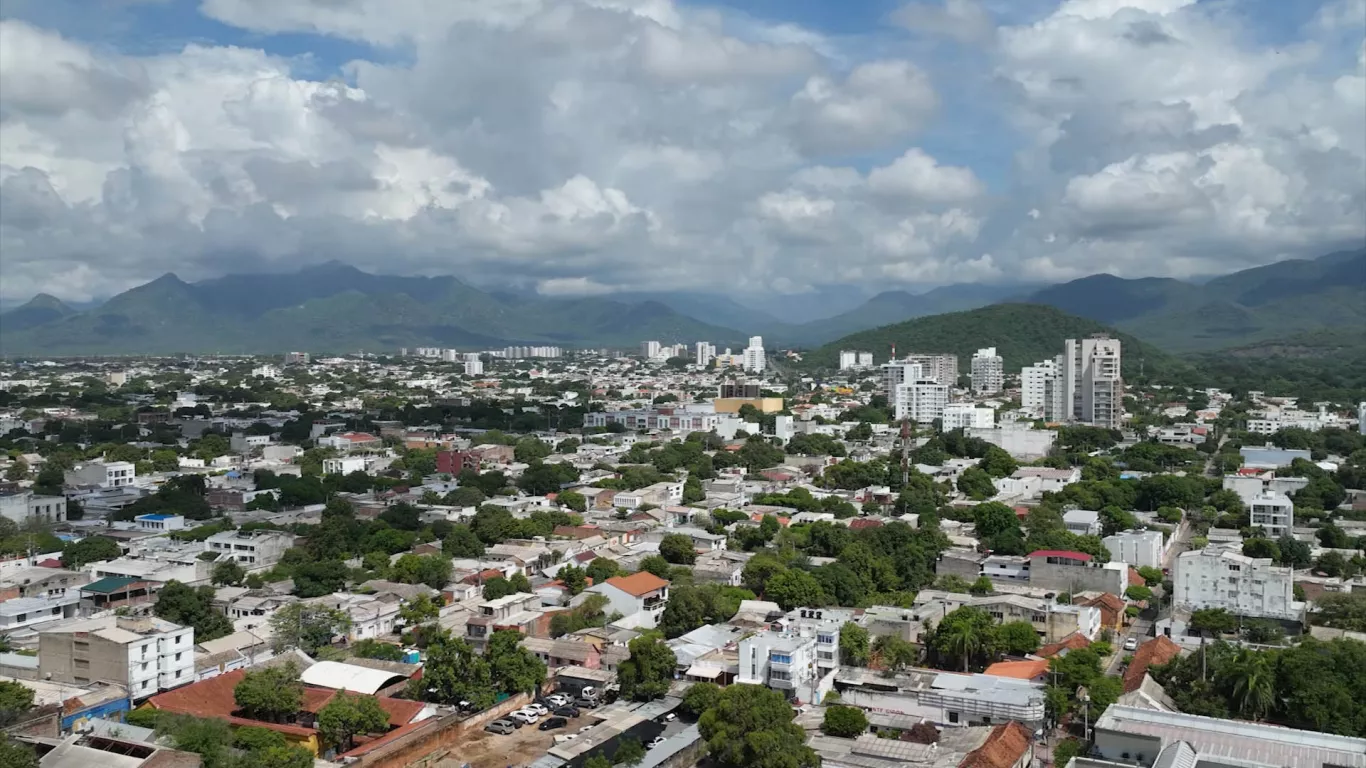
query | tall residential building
[848, 359]
[942, 368]
[898, 372]
[921, 401]
[1273, 511]
[754, 355]
[865, 359]
[474, 367]
[649, 349]
[1093, 386]
[988, 372]
[1040, 393]
[704, 352]
[301, 358]
[745, 390]
[146, 654]
[1218, 577]
[1361, 417]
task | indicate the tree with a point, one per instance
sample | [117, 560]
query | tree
[1151, 575]
[963, 634]
[751, 727]
[982, 586]
[15, 700]
[419, 610]
[192, 607]
[646, 674]
[227, 572]
[976, 484]
[758, 570]
[514, 669]
[597, 760]
[700, 697]
[847, 722]
[1213, 620]
[347, 716]
[369, 648]
[17, 470]
[1138, 594]
[630, 752]
[1261, 547]
[678, 549]
[432, 570]
[573, 500]
[1293, 552]
[91, 549]
[1250, 680]
[271, 694]
[497, 587]
[993, 517]
[896, 654]
[519, 582]
[657, 565]
[306, 626]
[1065, 751]
[465, 496]
[685, 612]
[461, 542]
[453, 673]
[602, 569]
[575, 581]
[1017, 638]
[853, 645]
[793, 588]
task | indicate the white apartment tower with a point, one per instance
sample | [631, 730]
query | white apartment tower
[1041, 390]
[754, 355]
[649, 349]
[942, 368]
[848, 359]
[898, 372]
[1093, 387]
[1223, 577]
[988, 372]
[921, 401]
[1273, 511]
[704, 352]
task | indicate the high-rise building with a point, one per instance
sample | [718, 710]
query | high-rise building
[942, 368]
[1361, 417]
[1093, 386]
[898, 372]
[474, 367]
[754, 355]
[301, 358]
[1041, 391]
[988, 372]
[450, 355]
[865, 359]
[921, 401]
[649, 349]
[745, 390]
[848, 359]
[704, 353]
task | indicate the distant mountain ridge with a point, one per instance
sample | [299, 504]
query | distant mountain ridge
[335, 307]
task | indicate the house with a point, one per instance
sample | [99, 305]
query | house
[101, 474]
[40, 582]
[1029, 669]
[351, 441]
[1082, 522]
[563, 652]
[24, 507]
[454, 462]
[253, 549]
[1111, 608]
[1072, 572]
[943, 698]
[1155, 652]
[640, 598]
[521, 611]
[160, 523]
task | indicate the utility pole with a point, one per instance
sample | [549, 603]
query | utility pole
[905, 453]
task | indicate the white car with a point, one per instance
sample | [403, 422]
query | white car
[1131, 644]
[523, 716]
[558, 699]
[657, 741]
[537, 708]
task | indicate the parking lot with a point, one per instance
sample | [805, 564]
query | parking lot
[482, 749]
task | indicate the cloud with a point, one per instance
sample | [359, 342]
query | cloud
[585, 146]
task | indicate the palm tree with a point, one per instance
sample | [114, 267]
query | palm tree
[963, 640]
[1251, 680]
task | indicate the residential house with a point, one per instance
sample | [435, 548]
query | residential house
[640, 598]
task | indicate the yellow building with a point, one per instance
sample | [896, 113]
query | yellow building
[733, 404]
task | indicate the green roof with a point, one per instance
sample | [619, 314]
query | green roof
[109, 584]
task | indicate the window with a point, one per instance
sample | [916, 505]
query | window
[177, 657]
[779, 674]
[144, 685]
[824, 639]
[953, 717]
[780, 658]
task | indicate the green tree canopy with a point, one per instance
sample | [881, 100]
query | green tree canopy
[751, 727]
[271, 694]
[646, 674]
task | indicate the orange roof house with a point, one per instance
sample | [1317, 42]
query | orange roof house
[1155, 652]
[638, 584]
[1073, 642]
[1007, 746]
[1030, 669]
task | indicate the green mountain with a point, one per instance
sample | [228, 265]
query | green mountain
[1023, 334]
[1326, 295]
[38, 310]
[335, 307]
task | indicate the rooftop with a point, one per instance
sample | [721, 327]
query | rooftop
[1238, 739]
[348, 677]
[638, 584]
[1157, 651]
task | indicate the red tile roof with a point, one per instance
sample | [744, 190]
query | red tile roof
[1006, 745]
[638, 584]
[1073, 642]
[859, 524]
[1155, 652]
[1135, 580]
[1020, 670]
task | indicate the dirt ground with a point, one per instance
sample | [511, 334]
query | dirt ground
[482, 749]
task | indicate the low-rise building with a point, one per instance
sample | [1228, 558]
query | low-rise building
[1273, 512]
[253, 549]
[159, 522]
[943, 698]
[101, 474]
[640, 598]
[1223, 577]
[145, 654]
[24, 507]
[1137, 548]
[1082, 522]
[1072, 572]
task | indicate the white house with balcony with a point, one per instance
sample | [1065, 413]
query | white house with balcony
[1223, 577]
[1274, 512]
[252, 549]
[101, 474]
[640, 598]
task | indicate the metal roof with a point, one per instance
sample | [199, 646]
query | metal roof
[109, 584]
[348, 677]
[1260, 743]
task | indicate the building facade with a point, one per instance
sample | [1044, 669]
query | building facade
[988, 372]
[146, 654]
[1223, 577]
[1092, 380]
[1274, 512]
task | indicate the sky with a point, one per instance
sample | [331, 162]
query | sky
[585, 147]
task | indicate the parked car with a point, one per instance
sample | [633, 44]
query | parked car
[524, 716]
[1131, 644]
[566, 712]
[503, 727]
[656, 741]
[553, 723]
[558, 699]
[537, 708]
[583, 703]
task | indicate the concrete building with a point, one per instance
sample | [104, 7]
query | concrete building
[943, 698]
[345, 465]
[160, 522]
[988, 372]
[941, 368]
[682, 418]
[244, 443]
[848, 359]
[785, 662]
[1040, 393]
[1273, 511]
[898, 372]
[472, 367]
[1082, 522]
[1092, 381]
[967, 416]
[24, 506]
[1223, 577]
[1137, 548]
[1074, 572]
[704, 352]
[28, 613]
[754, 355]
[101, 474]
[921, 401]
[1021, 441]
[1271, 457]
[253, 549]
[145, 654]
[640, 598]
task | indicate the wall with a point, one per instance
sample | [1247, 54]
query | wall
[1074, 578]
[433, 740]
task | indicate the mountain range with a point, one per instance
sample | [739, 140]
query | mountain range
[336, 307]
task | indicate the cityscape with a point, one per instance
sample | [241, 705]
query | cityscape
[683, 384]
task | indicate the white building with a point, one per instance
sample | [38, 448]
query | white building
[942, 368]
[1040, 393]
[703, 353]
[244, 443]
[1273, 511]
[146, 654]
[754, 355]
[1092, 381]
[784, 662]
[967, 416]
[640, 598]
[1223, 577]
[473, 367]
[266, 371]
[104, 474]
[160, 523]
[678, 419]
[898, 372]
[1137, 548]
[988, 372]
[25, 506]
[33, 613]
[345, 465]
[649, 350]
[848, 359]
[1082, 522]
[865, 359]
[1361, 417]
[921, 401]
[252, 549]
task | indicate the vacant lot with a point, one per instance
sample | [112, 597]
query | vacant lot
[521, 747]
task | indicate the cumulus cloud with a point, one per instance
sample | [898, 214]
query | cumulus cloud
[589, 146]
